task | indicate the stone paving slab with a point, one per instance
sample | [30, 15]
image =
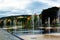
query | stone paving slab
[6, 36]
[40, 37]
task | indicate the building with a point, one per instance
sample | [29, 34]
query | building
[24, 22]
[15, 22]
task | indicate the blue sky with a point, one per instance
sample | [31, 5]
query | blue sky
[25, 7]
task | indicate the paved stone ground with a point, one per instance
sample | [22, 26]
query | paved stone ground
[6, 36]
[40, 37]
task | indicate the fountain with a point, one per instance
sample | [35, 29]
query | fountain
[38, 20]
[4, 23]
[34, 37]
[33, 23]
[49, 24]
[10, 22]
[41, 27]
[14, 23]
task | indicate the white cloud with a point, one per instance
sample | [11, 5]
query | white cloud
[20, 4]
[15, 7]
[17, 12]
[4, 15]
[51, 2]
[18, 7]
